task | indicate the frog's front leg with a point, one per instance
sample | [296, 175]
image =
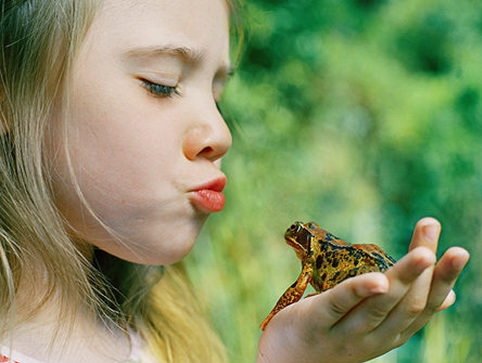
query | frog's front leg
[292, 294]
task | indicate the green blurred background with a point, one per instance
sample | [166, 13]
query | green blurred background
[362, 115]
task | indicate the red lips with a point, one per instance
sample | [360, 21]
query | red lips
[209, 197]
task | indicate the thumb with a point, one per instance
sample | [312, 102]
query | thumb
[327, 308]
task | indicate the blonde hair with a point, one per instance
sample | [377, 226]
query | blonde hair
[39, 41]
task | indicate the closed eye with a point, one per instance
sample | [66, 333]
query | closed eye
[159, 90]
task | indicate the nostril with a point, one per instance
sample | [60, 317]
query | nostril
[206, 151]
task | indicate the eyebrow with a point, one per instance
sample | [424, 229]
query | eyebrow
[189, 55]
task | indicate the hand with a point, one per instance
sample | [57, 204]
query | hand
[368, 315]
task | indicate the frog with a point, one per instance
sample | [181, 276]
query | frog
[326, 261]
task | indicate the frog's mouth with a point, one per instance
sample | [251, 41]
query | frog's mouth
[300, 250]
[299, 238]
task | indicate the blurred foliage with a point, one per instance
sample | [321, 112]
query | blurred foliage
[362, 115]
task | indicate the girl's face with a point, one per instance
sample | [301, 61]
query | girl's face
[144, 133]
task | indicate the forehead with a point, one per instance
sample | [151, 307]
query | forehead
[196, 24]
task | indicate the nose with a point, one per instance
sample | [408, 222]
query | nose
[208, 137]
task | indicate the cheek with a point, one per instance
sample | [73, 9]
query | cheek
[125, 165]
[119, 142]
[122, 171]
[154, 225]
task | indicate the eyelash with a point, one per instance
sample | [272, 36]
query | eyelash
[160, 90]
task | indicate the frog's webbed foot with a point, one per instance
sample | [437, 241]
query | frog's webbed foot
[291, 295]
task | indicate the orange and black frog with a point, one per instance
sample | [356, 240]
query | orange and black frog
[326, 260]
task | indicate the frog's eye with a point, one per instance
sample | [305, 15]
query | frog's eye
[295, 227]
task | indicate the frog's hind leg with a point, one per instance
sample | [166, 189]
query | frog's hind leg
[291, 295]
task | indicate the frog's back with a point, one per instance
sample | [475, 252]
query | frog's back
[337, 262]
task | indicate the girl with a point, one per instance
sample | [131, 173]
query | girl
[111, 144]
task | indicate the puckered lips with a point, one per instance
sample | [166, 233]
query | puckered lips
[209, 197]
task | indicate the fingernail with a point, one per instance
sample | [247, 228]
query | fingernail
[431, 232]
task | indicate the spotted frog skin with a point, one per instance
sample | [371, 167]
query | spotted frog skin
[326, 261]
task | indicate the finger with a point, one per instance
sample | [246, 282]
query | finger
[446, 273]
[441, 295]
[330, 306]
[372, 312]
[410, 307]
[426, 234]
[448, 302]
